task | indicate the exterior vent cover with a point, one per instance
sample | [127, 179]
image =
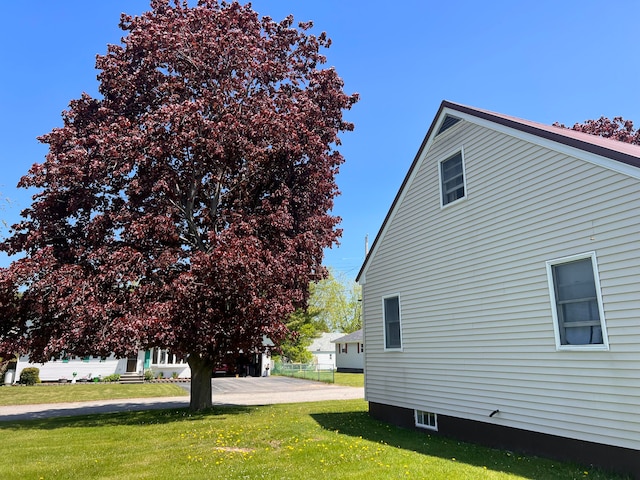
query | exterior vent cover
[447, 123]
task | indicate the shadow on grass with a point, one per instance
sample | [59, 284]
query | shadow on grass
[137, 417]
[362, 425]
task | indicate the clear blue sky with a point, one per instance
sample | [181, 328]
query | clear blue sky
[545, 61]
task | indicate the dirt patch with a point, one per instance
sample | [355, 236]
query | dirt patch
[234, 449]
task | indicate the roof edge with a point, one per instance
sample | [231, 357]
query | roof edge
[402, 186]
[603, 147]
[566, 136]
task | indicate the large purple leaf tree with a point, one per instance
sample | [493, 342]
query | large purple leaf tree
[189, 206]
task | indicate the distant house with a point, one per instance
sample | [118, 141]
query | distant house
[323, 351]
[161, 362]
[350, 352]
[501, 296]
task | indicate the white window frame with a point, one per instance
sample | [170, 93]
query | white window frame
[427, 420]
[384, 322]
[449, 156]
[163, 357]
[554, 307]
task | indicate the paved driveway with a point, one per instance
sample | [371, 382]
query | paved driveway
[270, 390]
[226, 391]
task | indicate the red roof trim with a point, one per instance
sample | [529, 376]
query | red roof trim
[604, 147]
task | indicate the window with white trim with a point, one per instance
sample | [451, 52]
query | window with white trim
[165, 357]
[392, 327]
[576, 302]
[427, 420]
[452, 179]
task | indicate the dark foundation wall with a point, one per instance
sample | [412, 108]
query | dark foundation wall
[350, 370]
[608, 457]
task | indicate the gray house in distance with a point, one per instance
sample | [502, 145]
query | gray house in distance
[501, 296]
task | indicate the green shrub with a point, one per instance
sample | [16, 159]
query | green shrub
[114, 377]
[148, 375]
[30, 376]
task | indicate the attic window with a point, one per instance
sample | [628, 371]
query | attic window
[447, 123]
[452, 179]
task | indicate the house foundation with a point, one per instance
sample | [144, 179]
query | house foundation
[617, 459]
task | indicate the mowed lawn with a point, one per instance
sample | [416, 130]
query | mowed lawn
[334, 439]
[81, 392]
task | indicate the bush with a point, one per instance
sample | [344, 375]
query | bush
[114, 377]
[30, 376]
[148, 375]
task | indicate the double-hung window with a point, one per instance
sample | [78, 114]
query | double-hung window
[452, 179]
[576, 302]
[392, 327]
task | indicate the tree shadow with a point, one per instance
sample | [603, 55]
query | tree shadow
[362, 425]
[129, 415]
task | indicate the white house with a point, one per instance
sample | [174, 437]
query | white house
[501, 296]
[161, 362]
[350, 352]
[323, 351]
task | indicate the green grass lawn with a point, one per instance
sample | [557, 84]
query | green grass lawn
[328, 376]
[349, 379]
[335, 439]
[79, 392]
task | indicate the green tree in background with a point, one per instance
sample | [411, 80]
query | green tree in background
[303, 328]
[337, 301]
[334, 306]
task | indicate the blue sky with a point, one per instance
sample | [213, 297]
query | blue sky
[546, 61]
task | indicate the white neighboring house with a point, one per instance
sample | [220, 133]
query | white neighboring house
[501, 296]
[323, 351]
[350, 352]
[160, 361]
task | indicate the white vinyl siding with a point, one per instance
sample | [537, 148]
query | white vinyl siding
[53, 371]
[477, 321]
[352, 358]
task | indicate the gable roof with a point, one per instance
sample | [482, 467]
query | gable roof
[354, 337]
[605, 147]
[622, 156]
[323, 342]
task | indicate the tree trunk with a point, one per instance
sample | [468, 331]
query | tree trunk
[201, 374]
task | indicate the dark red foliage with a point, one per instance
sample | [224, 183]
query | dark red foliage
[616, 129]
[189, 207]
